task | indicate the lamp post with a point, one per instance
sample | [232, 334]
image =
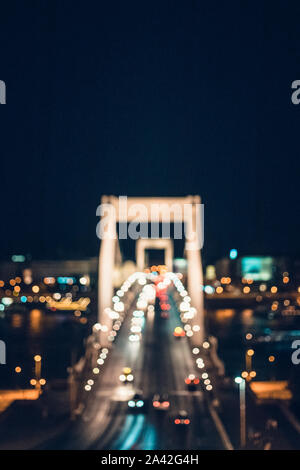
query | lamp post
[38, 369]
[18, 370]
[271, 359]
[242, 389]
[249, 355]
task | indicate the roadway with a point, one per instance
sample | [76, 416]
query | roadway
[160, 363]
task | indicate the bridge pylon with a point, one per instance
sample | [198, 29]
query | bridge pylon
[151, 209]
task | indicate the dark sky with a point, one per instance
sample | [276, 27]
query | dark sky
[149, 98]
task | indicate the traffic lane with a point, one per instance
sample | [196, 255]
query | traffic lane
[163, 380]
[157, 379]
[133, 424]
[203, 433]
[125, 354]
[136, 426]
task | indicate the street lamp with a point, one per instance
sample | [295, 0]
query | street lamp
[242, 388]
[271, 359]
[18, 371]
[249, 355]
[38, 368]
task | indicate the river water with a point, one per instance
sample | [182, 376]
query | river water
[270, 336]
[56, 337]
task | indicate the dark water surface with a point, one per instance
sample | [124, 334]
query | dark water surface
[57, 337]
[271, 336]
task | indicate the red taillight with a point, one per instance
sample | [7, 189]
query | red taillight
[196, 381]
[177, 421]
[166, 404]
[187, 381]
[156, 404]
[186, 421]
[164, 306]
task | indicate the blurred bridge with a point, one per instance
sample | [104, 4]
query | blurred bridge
[184, 210]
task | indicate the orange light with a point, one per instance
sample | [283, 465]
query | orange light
[166, 404]
[18, 369]
[37, 358]
[271, 358]
[156, 404]
[187, 381]
[179, 331]
[250, 352]
[186, 421]
[177, 421]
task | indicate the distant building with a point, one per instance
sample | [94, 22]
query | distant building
[258, 268]
[47, 268]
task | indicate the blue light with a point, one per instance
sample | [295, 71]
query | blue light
[24, 299]
[209, 290]
[233, 253]
[66, 280]
[18, 258]
[140, 403]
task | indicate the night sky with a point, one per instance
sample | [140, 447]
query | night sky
[164, 98]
